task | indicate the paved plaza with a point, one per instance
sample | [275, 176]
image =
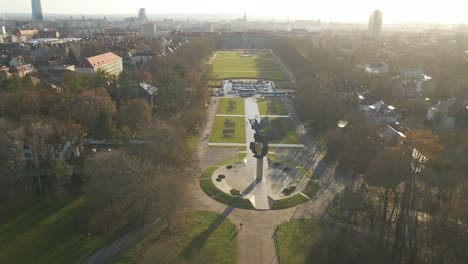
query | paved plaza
[241, 175]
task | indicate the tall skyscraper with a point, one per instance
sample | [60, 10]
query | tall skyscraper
[37, 16]
[142, 18]
[375, 24]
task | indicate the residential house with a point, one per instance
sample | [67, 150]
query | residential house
[411, 88]
[376, 68]
[49, 33]
[149, 92]
[141, 57]
[24, 70]
[389, 136]
[69, 150]
[16, 61]
[379, 113]
[25, 35]
[5, 70]
[445, 112]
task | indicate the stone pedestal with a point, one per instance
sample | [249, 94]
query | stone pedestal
[259, 177]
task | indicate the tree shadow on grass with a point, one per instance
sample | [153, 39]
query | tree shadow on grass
[197, 243]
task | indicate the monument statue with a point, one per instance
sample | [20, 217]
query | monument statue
[260, 146]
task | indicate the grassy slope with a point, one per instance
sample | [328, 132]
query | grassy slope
[263, 65]
[294, 239]
[205, 237]
[276, 107]
[46, 234]
[288, 202]
[239, 131]
[224, 105]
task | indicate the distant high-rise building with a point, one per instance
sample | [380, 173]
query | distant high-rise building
[375, 24]
[142, 16]
[245, 16]
[37, 16]
[148, 30]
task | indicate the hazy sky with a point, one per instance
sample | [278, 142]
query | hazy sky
[438, 11]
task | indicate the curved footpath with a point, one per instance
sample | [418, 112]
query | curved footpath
[255, 239]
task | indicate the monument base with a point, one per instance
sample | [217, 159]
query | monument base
[259, 170]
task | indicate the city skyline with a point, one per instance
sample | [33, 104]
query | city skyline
[37, 15]
[449, 11]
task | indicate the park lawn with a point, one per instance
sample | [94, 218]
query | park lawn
[262, 65]
[209, 171]
[240, 157]
[47, 234]
[219, 127]
[203, 237]
[271, 107]
[289, 202]
[282, 131]
[211, 190]
[215, 83]
[231, 106]
[311, 189]
[294, 240]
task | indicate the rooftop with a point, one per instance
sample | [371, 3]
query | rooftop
[99, 60]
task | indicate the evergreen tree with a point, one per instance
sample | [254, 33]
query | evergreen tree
[104, 127]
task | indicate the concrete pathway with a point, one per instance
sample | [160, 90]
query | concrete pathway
[255, 239]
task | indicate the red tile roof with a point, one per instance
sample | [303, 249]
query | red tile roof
[27, 32]
[99, 60]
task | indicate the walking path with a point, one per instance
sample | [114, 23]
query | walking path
[255, 239]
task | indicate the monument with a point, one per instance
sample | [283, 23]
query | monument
[260, 146]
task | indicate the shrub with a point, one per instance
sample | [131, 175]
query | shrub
[289, 190]
[235, 192]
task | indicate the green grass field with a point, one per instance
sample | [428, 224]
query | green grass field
[204, 237]
[282, 131]
[231, 106]
[47, 234]
[228, 134]
[215, 84]
[288, 202]
[294, 239]
[271, 107]
[262, 65]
